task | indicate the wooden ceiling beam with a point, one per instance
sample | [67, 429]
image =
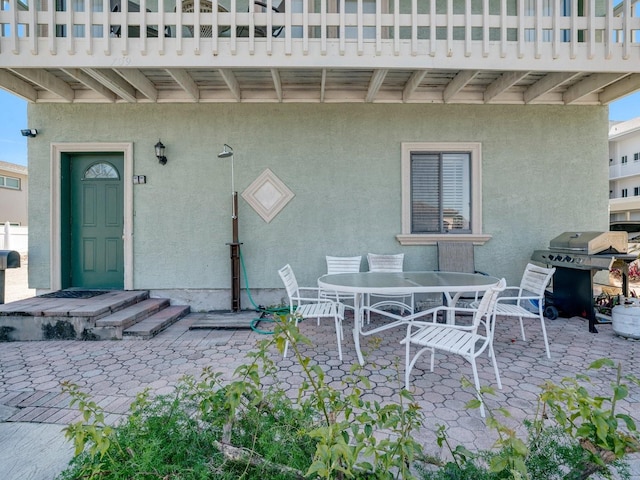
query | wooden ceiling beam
[48, 81]
[620, 89]
[186, 82]
[546, 84]
[232, 82]
[113, 82]
[589, 85]
[502, 84]
[277, 83]
[90, 83]
[139, 81]
[458, 82]
[17, 86]
[377, 79]
[412, 84]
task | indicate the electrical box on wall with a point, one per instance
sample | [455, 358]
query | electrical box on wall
[139, 179]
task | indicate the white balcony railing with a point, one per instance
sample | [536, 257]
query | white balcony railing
[578, 31]
[623, 170]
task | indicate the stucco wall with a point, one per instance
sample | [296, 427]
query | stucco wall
[543, 173]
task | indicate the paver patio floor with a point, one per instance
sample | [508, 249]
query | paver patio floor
[115, 371]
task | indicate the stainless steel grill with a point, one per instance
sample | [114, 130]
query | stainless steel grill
[574, 260]
[577, 256]
[590, 243]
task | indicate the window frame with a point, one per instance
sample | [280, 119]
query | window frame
[3, 184]
[476, 236]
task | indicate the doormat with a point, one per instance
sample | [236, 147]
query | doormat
[224, 320]
[82, 294]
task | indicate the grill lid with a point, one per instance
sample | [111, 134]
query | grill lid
[590, 243]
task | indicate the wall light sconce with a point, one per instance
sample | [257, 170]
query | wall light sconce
[29, 132]
[160, 153]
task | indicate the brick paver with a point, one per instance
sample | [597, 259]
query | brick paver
[115, 371]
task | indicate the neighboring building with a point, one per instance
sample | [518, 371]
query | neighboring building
[624, 171]
[358, 126]
[14, 190]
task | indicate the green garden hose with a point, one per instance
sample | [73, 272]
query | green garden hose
[263, 310]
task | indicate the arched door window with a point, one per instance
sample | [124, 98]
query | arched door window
[101, 170]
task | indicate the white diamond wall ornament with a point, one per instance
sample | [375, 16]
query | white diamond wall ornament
[267, 195]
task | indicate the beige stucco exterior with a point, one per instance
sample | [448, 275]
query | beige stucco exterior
[13, 202]
[542, 174]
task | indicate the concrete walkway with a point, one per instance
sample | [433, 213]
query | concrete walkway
[33, 411]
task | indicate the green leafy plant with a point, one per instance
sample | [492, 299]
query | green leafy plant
[604, 435]
[573, 435]
[250, 428]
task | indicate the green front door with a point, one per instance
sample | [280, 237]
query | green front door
[97, 221]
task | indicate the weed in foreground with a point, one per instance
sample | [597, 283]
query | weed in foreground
[248, 428]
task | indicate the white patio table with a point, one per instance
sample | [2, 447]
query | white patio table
[451, 284]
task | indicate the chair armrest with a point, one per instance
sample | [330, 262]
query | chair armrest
[436, 310]
[509, 289]
[528, 297]
[308, 289]
[312, 300]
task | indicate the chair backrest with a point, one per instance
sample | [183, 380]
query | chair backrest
[343, 264]
[535, 279]
[385, 263]
[456, 257]
[487, 305]
[290, 283]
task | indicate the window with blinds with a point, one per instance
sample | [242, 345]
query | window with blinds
[440, 192]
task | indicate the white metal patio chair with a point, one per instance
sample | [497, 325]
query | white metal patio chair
[388, 263]
[530, 294]
[341, 265]
[468, 341]
[302, 307]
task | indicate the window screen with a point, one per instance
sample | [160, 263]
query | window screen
[440, 192]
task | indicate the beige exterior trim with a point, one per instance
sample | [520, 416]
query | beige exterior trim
[57, 149]
[476, 236]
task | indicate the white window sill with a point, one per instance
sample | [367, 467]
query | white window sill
[413, 239]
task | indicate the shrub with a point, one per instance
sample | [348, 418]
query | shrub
[249, 428]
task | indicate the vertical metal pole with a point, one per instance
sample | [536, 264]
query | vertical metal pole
[1, 287]
[235, 258]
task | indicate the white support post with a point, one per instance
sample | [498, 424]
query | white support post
[414, 27]
[7, 236]
[33, 26]
[449, 28]
[341, 28]
[503, 29]
[360, 28]
[396, 28]
[106, 26]
[467, 28]
[432, 28]
[486, 33]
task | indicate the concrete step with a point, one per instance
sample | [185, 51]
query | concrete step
[154, 324]
[133, 313]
